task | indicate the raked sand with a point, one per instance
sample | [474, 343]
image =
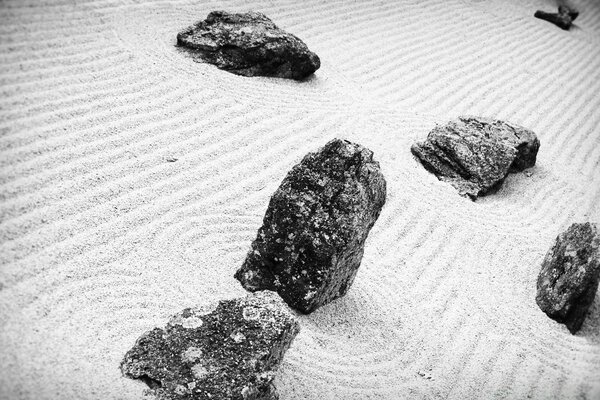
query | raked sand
[102, 239]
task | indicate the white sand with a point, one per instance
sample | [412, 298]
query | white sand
[102, 239]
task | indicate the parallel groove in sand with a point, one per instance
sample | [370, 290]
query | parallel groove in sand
[73, 111]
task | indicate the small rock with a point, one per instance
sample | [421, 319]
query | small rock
[569, 277]
[172, 159]
[568, 10]
[249, 44]
[563, 19]
[312, 239]
[475, 154]
[216, 353]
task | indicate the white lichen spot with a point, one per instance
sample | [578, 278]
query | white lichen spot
[248, 392]
[191, 385]
[249, 275]
[180, 389]
[309, 295]
[237, 337]
[192, 354]
[190, 322]
[250, 313]
[199, 371]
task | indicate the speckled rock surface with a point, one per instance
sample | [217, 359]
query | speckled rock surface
[312, 239]
[475, 154]
[568, 280]
[249, 44]
[563, 19]
[227, 352]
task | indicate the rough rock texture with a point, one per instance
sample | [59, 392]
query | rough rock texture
[229, 351]
[249, 44]
[568, 281]
[312, 239]
[564, 19]
[475, 154]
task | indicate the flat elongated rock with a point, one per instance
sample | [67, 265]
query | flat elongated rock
[568, 280]
[227, 352]
[312, 239]
[563, 19]
[249, 44]
[475, 154]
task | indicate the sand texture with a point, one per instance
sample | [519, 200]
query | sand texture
[102, 238]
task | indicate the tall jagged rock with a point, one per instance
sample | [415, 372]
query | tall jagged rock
[568, 280]
[249, 44]
[312, 239]
[475, 154]
[229, 351]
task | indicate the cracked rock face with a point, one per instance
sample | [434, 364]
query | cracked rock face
[475, 154]
[229, 351]
[249, 44]
[568, 280]
[312, 239]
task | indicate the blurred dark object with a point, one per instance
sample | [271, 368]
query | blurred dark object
[563, 19]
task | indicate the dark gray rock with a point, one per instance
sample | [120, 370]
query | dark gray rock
[563, 19]
[568, 10]
[475, 154]
[568, 280]
[312, 239]
[227, 352]
[249, 44]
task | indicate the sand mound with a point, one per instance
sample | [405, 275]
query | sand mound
[101, 238]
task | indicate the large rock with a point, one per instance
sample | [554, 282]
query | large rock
[249, 44]
[312, 239]
[226, 352]
[475, 154]
[568, 281]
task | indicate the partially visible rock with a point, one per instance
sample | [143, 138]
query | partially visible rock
[249, 44]
[568, 10]
[475, 154]
[564, 19]
[568, 281]
[312, 239]
[227, 352]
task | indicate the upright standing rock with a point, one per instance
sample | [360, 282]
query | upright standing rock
[249, 44]
[227, 352]
[475, 154]
[312, 239]
[569, 277]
